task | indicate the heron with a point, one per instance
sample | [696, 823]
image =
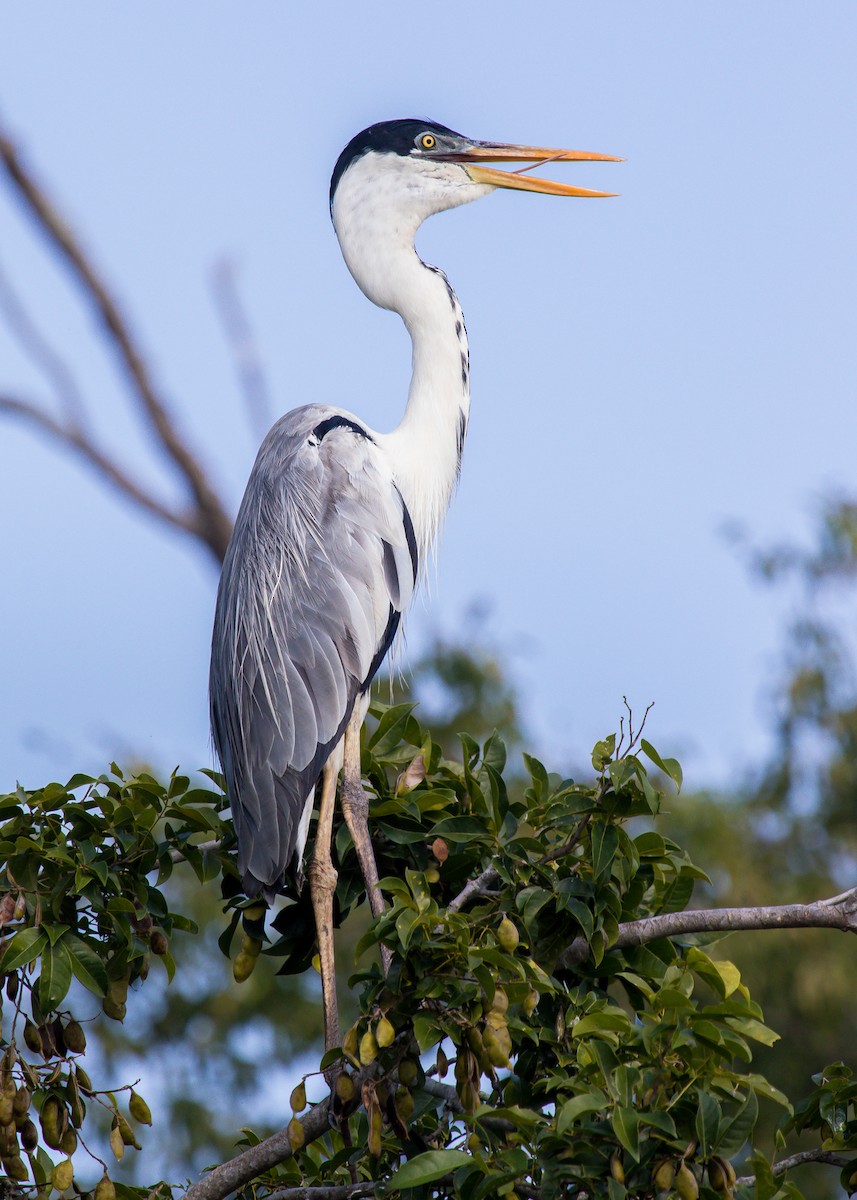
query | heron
[338, 521]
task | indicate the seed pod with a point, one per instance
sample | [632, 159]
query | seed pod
[432, 875]
[616, 1168]
[110, 1008]
[685, 1183]
[75, 1038]
[296, 1134]
[462, 1065]
[368, 1048]
[718, 1175]
[50, 1120]
[663, 1176]
[730, 1172]
[143, 965]
[384, 1033]
[297, 1100]
[507, 935]
[468, 1093]
[7, 1109]
[139, 1109]
[116, 1143]
[62, 1175]
[126, 1132]
[9, 1139]
[32, 1038]
[29, 1135]
[12, 985]
[83, 1080]
[408, 1072]
[243, 966]
[158, 943]
[498, 1045]
[404, 1104]
[440, 850]
[20, 910]
[21, 1103]
[15, 1168]
[117, 989]
[442, 1065]
[374, 1140]
[68, 1144]
[344, 1087]
[500, 1003]
[350, 1044]
[104, 1189]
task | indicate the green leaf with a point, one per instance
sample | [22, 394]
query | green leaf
[753, 1029]
[576, 1107]
[87, 966]
[669, 766]
[55, 977]
[707, 1123]
[605, 841]
[736, 1133]
[427, 1167]
[25, 947]
[626, 1126]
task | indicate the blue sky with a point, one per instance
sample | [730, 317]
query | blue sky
[644, 369]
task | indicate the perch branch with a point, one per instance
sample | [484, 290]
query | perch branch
[476, 887]
[211, 524]
[839, 912]
[74, 437]
[798, 1160]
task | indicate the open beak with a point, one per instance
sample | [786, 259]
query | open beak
[482, 152]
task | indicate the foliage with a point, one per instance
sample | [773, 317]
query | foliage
[626, 1074]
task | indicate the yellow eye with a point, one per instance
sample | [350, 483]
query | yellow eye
[428, 141]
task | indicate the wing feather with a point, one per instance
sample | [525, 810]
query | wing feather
[321, 566]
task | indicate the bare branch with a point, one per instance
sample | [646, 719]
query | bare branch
[476, 887]
[234, 1173]
[74, 437]
[41, 353]
[840, 912]
[798, 1160]
[239, 334]
[343, 1191]
[212, 523]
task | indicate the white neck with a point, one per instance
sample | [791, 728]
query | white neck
[376, 233]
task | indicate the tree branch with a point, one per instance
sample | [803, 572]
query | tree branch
[839, 912]
[212, 524]
[239, 334]
[74, 437]
[343, 1191]
[476, 887]
[41, 353]
[798, 1160]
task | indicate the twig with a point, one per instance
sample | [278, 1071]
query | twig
[178, 857]
[239, 333]
[341, 1191]
[77, 440]
[840, 912]
[211, 522]
[476, 887]
[41, 353]
[798, 1160]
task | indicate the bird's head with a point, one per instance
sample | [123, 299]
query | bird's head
[393, 175]
[420, 167]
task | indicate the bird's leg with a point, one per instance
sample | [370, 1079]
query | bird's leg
[355, 808]
[322, 882]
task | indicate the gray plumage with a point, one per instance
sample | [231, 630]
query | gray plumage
[321, 565]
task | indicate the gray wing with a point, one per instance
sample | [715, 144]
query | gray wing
[321, 565]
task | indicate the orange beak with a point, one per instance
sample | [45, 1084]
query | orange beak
[482, 152]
